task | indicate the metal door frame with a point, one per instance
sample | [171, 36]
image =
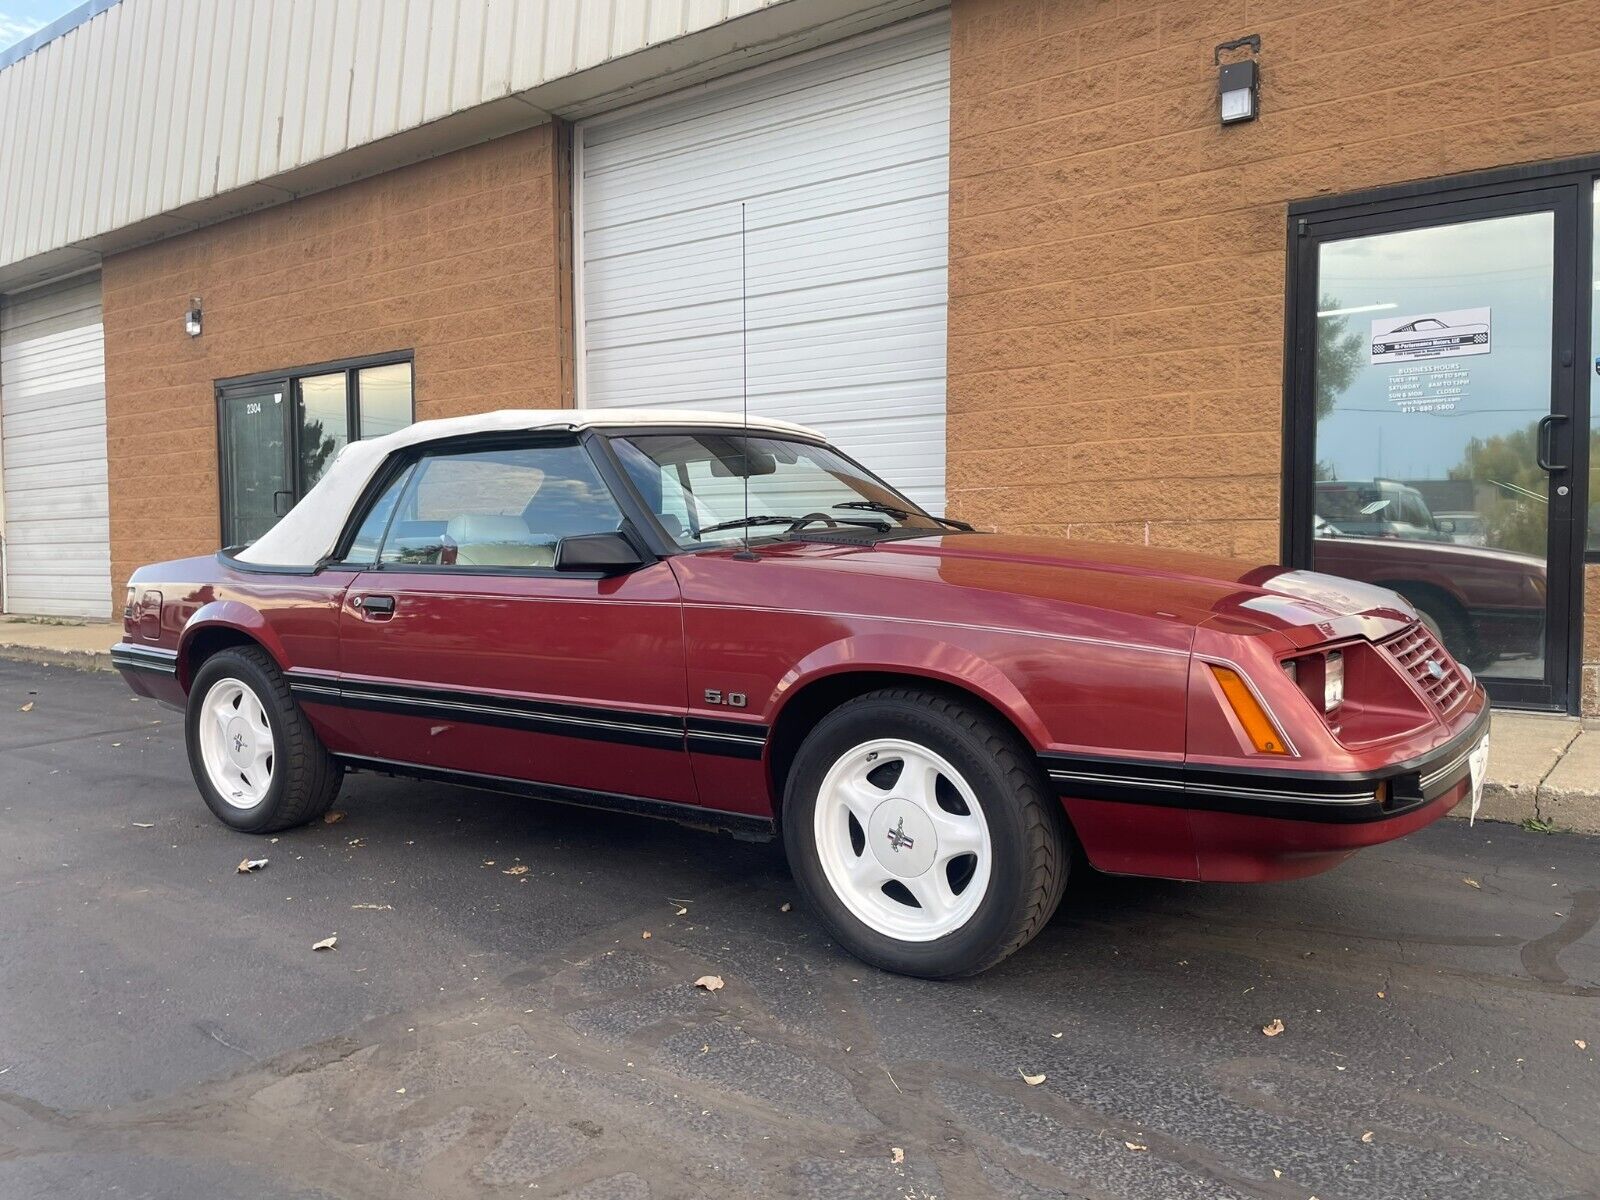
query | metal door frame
[1565, 189]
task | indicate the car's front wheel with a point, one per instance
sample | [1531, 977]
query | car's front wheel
[919, 830]
[258, 763]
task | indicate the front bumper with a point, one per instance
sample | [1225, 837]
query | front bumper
[1183, 821]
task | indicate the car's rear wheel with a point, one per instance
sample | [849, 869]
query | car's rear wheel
[920, 831]
[258, 763]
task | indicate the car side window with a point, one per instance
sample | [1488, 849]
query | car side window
[369, 537]
[502, 508]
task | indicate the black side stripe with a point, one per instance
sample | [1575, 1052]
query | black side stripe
[741, 825]
[144, 658]
[733, 739]
[1292, 795]
[661, 731]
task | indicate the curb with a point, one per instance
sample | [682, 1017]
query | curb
[78, 660]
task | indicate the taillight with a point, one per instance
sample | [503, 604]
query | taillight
[1332, 681]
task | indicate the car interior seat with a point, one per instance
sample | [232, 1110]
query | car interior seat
[494, 540]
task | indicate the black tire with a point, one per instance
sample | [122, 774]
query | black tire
[304, 777]
[1029, 835]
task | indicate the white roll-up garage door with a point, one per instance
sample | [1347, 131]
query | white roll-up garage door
[841, 161]
[53, 451]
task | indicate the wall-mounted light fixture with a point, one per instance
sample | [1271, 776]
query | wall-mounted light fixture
[191, 319]
[1238, 82]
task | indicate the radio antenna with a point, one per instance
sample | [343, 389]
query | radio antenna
[745, 554]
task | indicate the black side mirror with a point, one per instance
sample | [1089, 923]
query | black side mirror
[608, 553]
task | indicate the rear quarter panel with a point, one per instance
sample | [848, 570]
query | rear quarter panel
[293, 617]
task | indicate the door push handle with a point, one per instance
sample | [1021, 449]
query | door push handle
[1545, 439]
[376, 607]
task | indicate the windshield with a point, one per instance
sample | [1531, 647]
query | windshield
[695, 483]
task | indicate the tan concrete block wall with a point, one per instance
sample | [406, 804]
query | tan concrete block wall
[1117, 259]
[457, 259]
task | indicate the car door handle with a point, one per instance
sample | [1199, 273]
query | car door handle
[377, 608]
[1544, 440]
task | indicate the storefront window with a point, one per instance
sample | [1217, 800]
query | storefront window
[385, 398]
[280, 433]
[324, 424]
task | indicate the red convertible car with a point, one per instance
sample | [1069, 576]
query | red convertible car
[736, 625]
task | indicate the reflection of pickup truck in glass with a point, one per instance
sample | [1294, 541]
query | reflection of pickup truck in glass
[1428, 334]
[1377, 508]
[1485, 605]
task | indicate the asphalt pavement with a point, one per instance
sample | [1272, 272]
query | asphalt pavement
[493, 1020]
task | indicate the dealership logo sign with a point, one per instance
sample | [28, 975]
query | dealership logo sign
[1446, 334]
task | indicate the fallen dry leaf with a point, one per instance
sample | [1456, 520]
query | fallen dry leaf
[327, 943]
[251, 864]
[28, 707]
[1135, 1146]
[1273, 1027]
[332, 818]
[1367, 1136]
[517, 870]
[1030, 1080]
[1580, 1043]
[1472, 883]
[896, 1155]
[711, 983]
[785, 907]
[1277, 1174]
[645, 935]
[681, 912]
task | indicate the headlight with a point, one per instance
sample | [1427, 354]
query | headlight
[1332, 681]
[1320, 677]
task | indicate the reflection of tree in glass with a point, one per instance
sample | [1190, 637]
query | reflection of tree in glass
[1508, 464]
[316, 447]
[1339, 350]
[1594, 488]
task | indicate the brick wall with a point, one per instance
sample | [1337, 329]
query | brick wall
[1117, 259]
[457, 259]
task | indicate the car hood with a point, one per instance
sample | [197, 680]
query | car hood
[1442, 551]
[1162, 584]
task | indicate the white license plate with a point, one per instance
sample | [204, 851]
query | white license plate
[1477, 768]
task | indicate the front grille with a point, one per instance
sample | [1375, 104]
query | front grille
[1422, 658]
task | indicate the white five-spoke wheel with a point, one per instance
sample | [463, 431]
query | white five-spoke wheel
[255, 756]
[236, 743]
[922, 833]
[902, 840]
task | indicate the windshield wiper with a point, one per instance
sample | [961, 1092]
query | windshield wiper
[745, 522]
[903, 514]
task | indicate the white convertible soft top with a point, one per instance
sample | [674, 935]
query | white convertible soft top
[310, 530]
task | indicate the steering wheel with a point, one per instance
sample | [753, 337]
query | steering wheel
[802, 522]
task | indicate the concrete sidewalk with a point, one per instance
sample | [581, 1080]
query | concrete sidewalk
[1543, 771]
[57, 641]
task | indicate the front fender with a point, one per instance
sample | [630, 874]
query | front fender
[231, 615]
[915, 655]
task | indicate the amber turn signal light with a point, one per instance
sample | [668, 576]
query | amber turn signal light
[1258, 727]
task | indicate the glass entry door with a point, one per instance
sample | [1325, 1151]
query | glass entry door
[1431, 422]
[257, 475]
